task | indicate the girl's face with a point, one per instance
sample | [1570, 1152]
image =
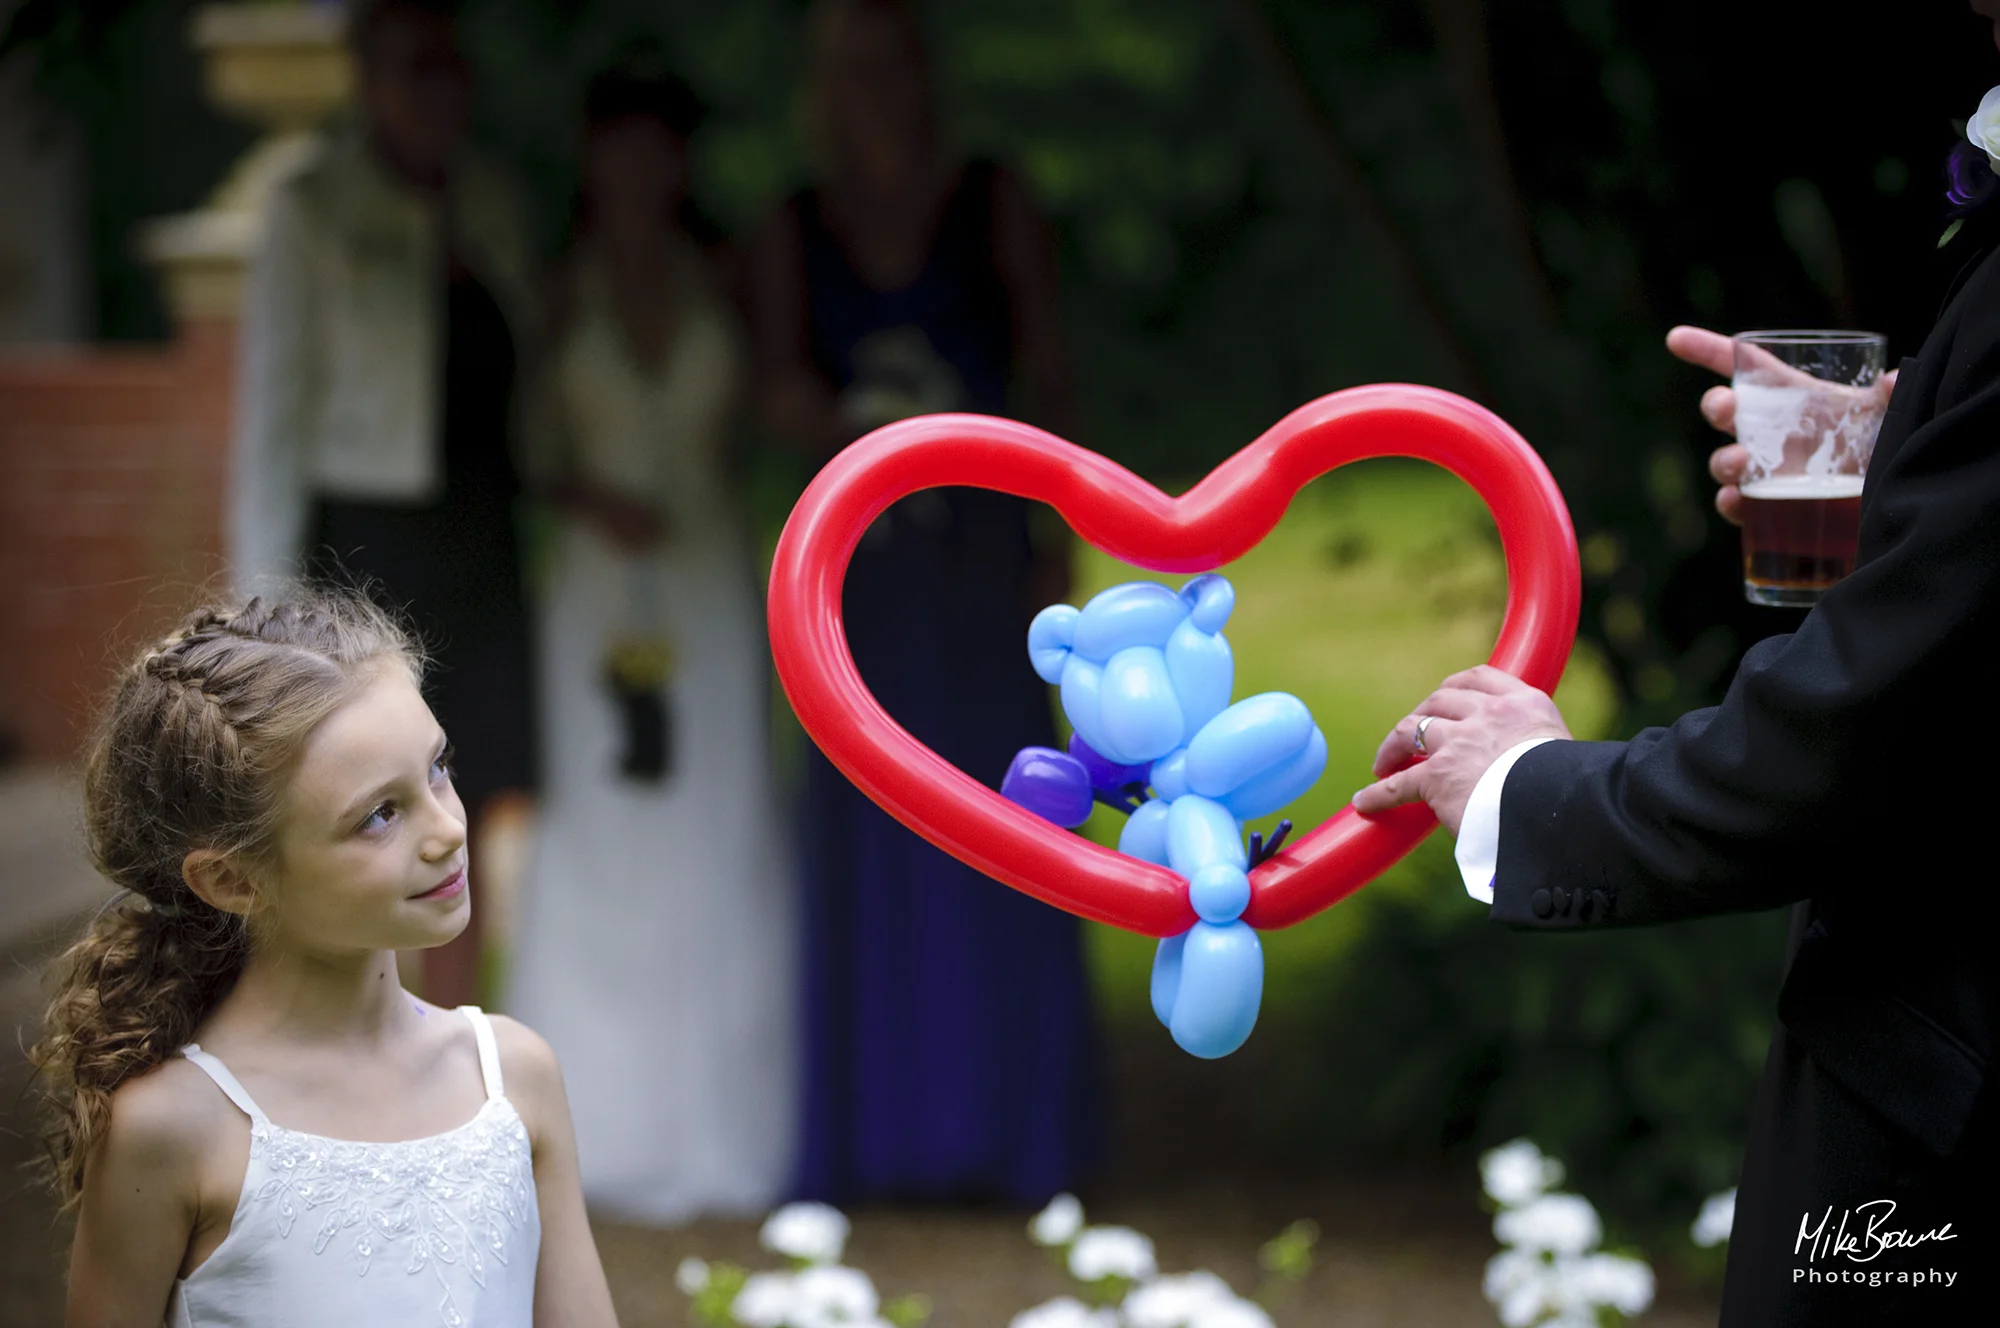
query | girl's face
[371, 844]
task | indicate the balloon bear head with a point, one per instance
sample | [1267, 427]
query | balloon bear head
[1145, 674]
[1141, 668]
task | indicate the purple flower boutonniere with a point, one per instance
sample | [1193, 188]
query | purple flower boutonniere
[1972, 171]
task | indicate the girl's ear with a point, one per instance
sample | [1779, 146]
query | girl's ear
[219, 881]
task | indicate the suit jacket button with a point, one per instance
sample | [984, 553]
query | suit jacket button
[1563, 901]
[1602, 902]
[1542, 904]
[1586, 905]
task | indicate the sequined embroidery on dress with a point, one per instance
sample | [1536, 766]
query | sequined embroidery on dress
[441, 1205]
[457, 1209]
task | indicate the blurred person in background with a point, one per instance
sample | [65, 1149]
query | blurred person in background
[677, 1019]
[949, 1050]
[383, 326]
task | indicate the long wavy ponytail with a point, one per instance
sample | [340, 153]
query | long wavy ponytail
[192, 752]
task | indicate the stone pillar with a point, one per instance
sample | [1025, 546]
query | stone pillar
[284, 68]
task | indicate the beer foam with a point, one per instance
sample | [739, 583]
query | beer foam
[1835, 425]
[1805, 486]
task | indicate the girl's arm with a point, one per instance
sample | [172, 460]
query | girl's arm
[141, 1203]
[570, 1291]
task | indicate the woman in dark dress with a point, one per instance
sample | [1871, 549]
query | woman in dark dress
[949, 1047]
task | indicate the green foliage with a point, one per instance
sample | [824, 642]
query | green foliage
[911, 1311]
[712, 1303]
[1289, 1253]
[1286, 1259]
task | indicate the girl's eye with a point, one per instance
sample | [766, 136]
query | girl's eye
[379, 817]
[441, 768]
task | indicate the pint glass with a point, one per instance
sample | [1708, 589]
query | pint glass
[1808, 406]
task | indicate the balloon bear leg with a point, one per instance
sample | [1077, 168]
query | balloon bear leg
[1207, 985]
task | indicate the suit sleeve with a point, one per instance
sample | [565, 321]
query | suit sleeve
[279, 371]
[1832, 743]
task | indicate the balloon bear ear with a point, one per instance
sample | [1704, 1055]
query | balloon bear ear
[1050, 637]
[1210, 600]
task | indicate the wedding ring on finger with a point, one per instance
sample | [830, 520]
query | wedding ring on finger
[1423, 722]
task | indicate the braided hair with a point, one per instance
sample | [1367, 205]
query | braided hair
[193, 751]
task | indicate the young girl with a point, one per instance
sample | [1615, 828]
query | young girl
[259, 1124]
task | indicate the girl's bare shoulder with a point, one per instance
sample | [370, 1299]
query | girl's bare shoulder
[169, 1119]
[527, 1061]
[530, 1072]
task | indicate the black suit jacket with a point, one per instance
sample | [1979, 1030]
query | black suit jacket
[1853, 769]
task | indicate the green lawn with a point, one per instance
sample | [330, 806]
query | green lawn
[1381, 580]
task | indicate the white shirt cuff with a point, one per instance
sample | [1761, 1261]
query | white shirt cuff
[1478, 849]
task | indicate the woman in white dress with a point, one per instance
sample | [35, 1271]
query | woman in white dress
[675, 1020]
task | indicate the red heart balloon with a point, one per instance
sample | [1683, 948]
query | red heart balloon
[1219, 519]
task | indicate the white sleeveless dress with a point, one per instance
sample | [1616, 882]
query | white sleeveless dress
[656, 948]
[441, 1230]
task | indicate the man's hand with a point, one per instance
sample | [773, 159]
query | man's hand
[1479, 715]
[1711, 350]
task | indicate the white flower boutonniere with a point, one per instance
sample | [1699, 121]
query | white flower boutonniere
[1969, 182]
[1983, 129]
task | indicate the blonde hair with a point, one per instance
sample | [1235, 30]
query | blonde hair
[193, 751]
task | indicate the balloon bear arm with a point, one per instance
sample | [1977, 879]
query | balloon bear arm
[1260, 851]
[1051, 784]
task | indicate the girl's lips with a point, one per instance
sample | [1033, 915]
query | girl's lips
[450, 887]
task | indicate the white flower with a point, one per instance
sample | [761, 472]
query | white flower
[1064, 1312]
[1101, 1252]
[766, 1301]
[1176, 1301]
[1983, 129]
[1518, 1173]
[812, 1232]
[1521, 1286]
[1626, 1285]
[1558, 1223]
[1528, 1302]
[1510, 1270]
[1718, 1211]
[824, 1296]
[1233, 1313]
[691, 1277]
[1058, 1223]
[1527, 1288]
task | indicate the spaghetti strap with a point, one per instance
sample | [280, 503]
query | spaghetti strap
[489, 1050]
[225, 1081]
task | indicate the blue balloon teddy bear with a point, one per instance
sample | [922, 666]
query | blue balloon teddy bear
[1146, 675]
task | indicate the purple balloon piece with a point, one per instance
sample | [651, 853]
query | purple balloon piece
[1107, 776]
[1051, 784]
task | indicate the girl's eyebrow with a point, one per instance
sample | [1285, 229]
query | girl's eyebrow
[368, 800]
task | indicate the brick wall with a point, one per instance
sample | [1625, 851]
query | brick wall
[112, 465]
